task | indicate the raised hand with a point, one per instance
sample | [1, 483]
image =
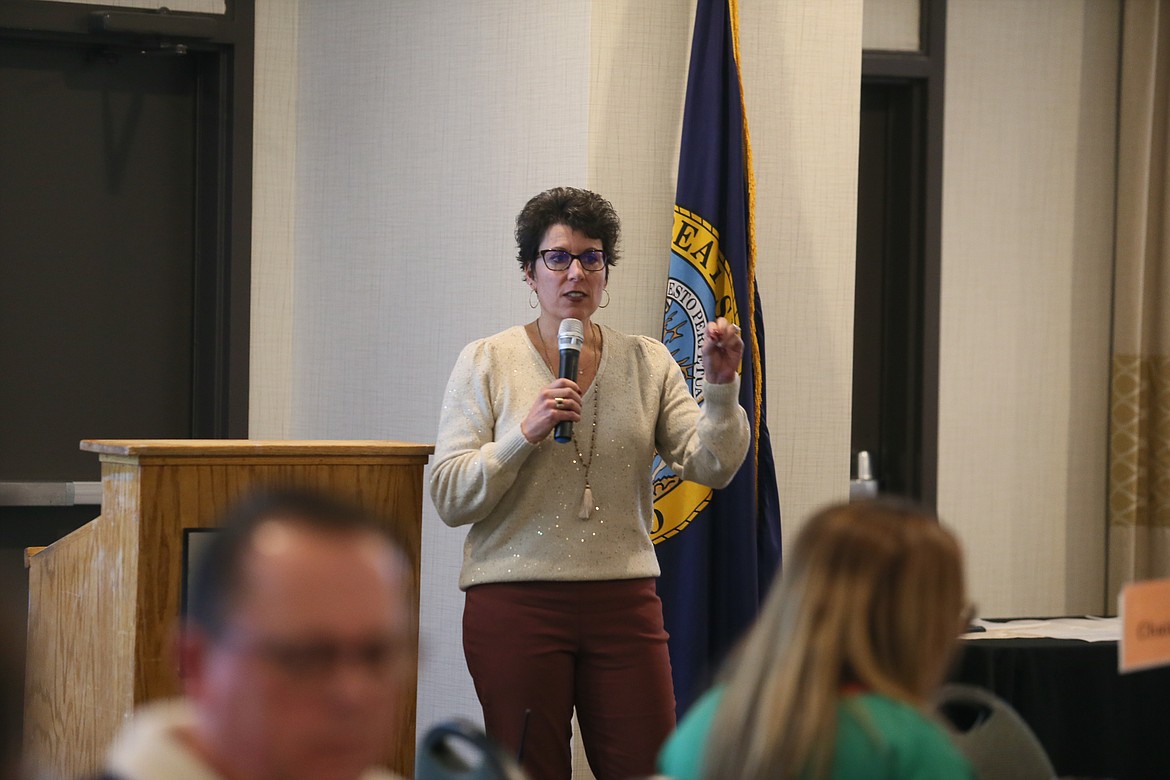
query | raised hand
[722, 351]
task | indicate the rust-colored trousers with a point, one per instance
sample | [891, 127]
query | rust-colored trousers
[543, 648]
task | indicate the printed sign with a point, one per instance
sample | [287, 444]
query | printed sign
[1145, 625]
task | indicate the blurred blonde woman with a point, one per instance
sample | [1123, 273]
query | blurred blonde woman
[834, 679]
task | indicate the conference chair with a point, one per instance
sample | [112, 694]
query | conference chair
[459, 750]
[992, 735]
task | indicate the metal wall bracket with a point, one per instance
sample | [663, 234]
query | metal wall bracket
[50, 493]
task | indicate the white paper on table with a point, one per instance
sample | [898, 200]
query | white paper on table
[1088, 629]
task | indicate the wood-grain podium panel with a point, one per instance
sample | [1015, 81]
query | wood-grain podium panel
[103, 601]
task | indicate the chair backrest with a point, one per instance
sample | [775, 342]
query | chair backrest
[992, 735]
[459, 750]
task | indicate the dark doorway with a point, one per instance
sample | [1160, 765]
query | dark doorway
[899, 256]
[888, 322]
[97, 203]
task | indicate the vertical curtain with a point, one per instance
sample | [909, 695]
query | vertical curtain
[1139, 476]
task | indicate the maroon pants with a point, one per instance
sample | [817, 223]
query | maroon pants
[543, 648]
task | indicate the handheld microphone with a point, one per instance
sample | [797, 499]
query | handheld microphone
[570, 338]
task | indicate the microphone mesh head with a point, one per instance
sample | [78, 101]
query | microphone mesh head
[571, 334]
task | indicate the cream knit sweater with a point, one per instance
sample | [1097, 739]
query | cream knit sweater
[522, 500]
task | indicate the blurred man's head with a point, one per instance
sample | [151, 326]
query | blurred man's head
[299, 640]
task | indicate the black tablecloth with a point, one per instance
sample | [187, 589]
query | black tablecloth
[1093, 721]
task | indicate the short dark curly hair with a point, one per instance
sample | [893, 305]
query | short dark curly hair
[581, 210]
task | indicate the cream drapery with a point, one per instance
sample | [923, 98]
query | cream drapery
[1139, 476]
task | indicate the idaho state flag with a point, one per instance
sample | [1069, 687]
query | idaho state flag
[718, 549]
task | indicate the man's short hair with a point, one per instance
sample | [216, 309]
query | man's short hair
[218, 574]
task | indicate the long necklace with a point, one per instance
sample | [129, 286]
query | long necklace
[587, 506]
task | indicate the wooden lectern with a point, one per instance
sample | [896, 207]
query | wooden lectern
[104, 599]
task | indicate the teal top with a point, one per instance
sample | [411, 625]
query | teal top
[877, 738]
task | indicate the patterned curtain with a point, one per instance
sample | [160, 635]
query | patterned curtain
[1139, 474]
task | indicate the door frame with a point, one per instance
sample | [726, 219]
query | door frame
[924, 70]
[225, 52]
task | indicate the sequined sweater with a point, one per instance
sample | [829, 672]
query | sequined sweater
[522, 500]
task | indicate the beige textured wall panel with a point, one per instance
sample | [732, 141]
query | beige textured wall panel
[891, 25]
[802, 65]
[1025, 301]
[274, 158]
[634, 133]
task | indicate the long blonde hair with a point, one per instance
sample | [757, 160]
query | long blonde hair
[871, 595]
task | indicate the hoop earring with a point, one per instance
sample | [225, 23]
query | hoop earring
[602, 306]
[533, 302]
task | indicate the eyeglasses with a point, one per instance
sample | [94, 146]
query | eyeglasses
[317, 661]
[560, 260]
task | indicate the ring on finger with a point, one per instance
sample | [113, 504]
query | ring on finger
[560, 402]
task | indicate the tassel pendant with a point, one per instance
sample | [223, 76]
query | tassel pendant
[586, 503]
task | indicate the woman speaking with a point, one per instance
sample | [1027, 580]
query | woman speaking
[558, 566]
